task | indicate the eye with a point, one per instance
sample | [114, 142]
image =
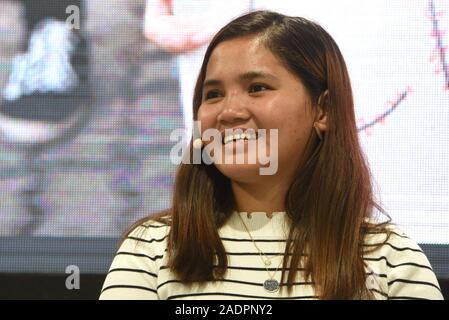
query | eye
[212, 95]
[254, 88]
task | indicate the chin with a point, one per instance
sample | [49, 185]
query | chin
[240, 172]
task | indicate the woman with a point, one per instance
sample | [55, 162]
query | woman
[307, 231]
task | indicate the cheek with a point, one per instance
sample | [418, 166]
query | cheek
[292, 137]
[207, 118]
[296, 135]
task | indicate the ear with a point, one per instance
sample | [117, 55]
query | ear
[321, 115]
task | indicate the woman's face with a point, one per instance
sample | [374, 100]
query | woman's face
[246, 86]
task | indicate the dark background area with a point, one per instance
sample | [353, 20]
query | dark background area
[116, 168]
[52, 286]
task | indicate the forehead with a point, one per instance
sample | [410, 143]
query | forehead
[242, 55]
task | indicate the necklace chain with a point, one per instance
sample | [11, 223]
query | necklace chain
[260, 251]
[266, 259]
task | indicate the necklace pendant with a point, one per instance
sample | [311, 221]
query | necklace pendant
[271, 285]
[267, 262]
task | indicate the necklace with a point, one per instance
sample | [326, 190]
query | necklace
[266, 260]
[271, 285]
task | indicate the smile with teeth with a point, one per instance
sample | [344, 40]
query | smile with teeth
[241, 136]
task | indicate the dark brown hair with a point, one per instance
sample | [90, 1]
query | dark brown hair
[331, 198]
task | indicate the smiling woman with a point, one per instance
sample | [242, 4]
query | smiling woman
[307, 231]
[253, 90]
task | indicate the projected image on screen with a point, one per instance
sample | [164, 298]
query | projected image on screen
[86, 115]
[85, 119]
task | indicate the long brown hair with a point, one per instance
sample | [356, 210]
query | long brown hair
[331, 198]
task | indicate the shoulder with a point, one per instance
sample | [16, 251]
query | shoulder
[400, 260]
[391, 239]
[144, 247]
[393, 242]
[134, 270]
[152, 225]
[148, 237]
[395, 247]
[150, 230]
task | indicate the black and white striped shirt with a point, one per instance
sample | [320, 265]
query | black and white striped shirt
[398, 270]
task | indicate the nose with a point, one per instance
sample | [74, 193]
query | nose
[234, 110]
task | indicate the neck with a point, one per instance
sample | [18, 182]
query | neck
[260, 197]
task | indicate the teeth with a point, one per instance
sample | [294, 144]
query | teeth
[232, 137]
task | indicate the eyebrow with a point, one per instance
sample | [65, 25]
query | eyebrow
[243, 77]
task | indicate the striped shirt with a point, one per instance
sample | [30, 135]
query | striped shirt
[398, 270]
